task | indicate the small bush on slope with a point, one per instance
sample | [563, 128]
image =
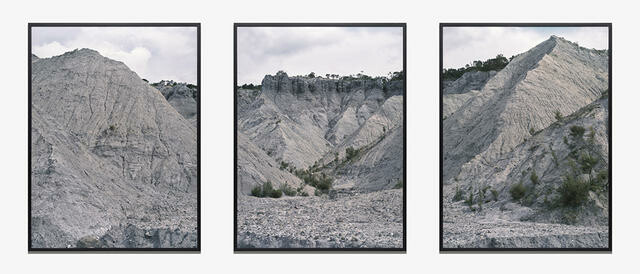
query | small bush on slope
[267, 190]
[517, 191]
[573, 191]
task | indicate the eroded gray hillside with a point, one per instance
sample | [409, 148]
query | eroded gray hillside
[556, 75]
[111, 158]
[526, 158]
[295, 130]
[306, 121]
[182, 97]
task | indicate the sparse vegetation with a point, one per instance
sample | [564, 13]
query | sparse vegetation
[587, 162]
[494, 194]
[351, 153]
[266, 190]
[497, 63]
[534, 177]
[573, 191]
[469, 200]
[459, 196]
[250, 86]
[576, 131]
[559, 116]
[287, 190]
[517, 191]
[399, 184]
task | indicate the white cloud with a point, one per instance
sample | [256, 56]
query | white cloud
[154, 53]
[462, 45]
[323, 50]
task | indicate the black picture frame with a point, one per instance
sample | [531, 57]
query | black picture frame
[235, 137]
[441, 93]
[196, 249]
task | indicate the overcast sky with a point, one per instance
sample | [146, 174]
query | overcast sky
[323, 50]
[154, 53]
[462, 45]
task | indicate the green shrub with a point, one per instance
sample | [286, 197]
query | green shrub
[287, 190]
[576, 131]
[587, 162]
[517, 191]
[459, 196]
[267, 189]
[602, 176]
[469, 200]
[495, 194]
[534, 177]
[532, 131]
[573, 191]
[324, 183]
[351, 153]
[555, 157]
[558, 116]
[399, 184]
[276, 193]
[256, 191]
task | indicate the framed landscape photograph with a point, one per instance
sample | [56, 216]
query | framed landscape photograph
[114, 136]
[525, 137]
[320, 130]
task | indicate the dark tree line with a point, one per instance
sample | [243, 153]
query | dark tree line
[496, 64]
[250, 86]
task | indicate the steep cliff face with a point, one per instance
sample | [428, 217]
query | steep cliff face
[296, 128]
[529, 152]
[107, 151]
[311, 121]
[182, 97]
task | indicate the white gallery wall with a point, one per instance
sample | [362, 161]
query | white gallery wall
[217, 20]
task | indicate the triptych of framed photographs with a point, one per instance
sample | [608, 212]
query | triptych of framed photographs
[320, 137]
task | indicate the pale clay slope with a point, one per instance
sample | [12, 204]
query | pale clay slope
[255, 167]
[556, 75]
[505, 223]
[111, 159]
[563, 69]
[301, 121]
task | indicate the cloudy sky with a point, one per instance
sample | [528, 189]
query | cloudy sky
[154, 53]
[323, 50]
[462, 45]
